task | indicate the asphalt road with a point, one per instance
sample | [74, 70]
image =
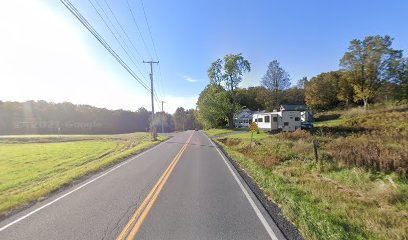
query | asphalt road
[183, 188]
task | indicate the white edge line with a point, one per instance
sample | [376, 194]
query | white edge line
[251, 202]
[76, 189]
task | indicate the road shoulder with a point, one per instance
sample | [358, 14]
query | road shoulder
[287, 228]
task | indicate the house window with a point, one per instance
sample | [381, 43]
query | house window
[267, 119]
[286, 124]
[275, 119]
[297, 119]
[260, 120]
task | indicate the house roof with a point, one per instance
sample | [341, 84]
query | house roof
[290, 107]
[245, 113]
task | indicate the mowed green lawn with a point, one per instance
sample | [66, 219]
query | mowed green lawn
[220, 131]
[30, 171]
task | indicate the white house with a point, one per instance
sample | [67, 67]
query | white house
[244, 118]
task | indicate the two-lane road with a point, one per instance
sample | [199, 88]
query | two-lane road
[181, 189]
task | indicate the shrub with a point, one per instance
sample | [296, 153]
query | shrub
[296, 135]
[373, 154]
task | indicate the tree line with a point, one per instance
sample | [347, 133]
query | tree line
[370, 71]
[41, 117]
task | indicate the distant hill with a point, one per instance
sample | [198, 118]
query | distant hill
[41, 117]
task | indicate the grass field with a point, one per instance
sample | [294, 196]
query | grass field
[218, 131]
[33, 166]
[247, 136]
[358, 189]
[329, 123]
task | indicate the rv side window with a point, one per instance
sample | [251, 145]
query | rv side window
[275, 119]
[286, 124]
[267, 119]
[256, 120]
[297, 119]
[260, 120]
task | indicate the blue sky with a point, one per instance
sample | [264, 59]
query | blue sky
[306, 37]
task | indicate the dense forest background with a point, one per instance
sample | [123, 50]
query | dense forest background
[41, 117]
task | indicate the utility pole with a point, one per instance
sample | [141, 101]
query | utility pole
[162, 116]
[154, 135]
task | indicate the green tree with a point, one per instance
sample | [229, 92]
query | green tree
[253, 98]
[402, 80]
[179, 118]
[301, 83]
[228, 72]
[346, 93]
[213, 106]
[215, 72]
[276, 79]
[368, 64]
[321, 92]
[293, 95]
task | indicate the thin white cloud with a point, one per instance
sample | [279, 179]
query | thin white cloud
[190, 79]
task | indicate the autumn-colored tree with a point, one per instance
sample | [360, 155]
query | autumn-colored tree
[322, 90]
[346, 92]
[368, 64]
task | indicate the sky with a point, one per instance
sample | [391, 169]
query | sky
[46, 54]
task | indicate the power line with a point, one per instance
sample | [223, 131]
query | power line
[120, 36]
[101, 40]
[148, 27]
[120, 25]
[138, 29]
[114, 35]
[153, 43]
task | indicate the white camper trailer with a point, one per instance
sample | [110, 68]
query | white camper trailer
[267, 121]
[285, 120]
[291, 120]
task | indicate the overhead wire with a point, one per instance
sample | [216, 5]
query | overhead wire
[90, 28]
[150, 32]
[123, 30]
[114, 35]
[153, 43]
[138, 29]
[101, 40]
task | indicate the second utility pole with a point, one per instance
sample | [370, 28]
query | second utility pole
[162, 117]
[154, 135]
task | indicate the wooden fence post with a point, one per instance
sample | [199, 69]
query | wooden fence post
[315, 146]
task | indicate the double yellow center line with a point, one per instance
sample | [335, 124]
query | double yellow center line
[137, 219]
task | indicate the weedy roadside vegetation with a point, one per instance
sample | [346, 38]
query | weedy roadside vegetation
[358, 188]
